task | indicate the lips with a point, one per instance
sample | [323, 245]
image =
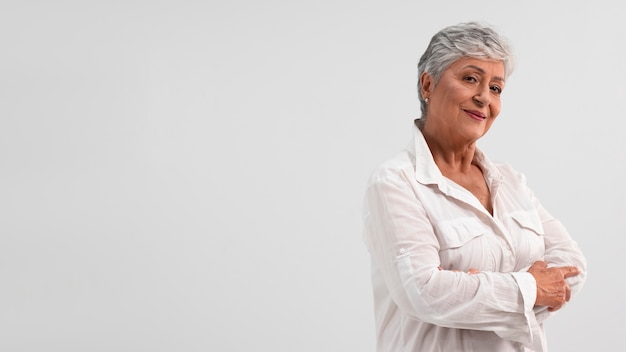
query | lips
[477, 115]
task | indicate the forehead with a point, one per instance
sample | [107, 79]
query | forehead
[491, 68]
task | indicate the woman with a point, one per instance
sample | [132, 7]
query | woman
[464, 257]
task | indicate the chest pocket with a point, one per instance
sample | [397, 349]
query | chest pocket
[527, 231]
[528, 220]
[466, 243]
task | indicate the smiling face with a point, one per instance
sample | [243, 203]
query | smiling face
[466, 100]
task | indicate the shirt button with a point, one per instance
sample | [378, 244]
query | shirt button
[402, 250]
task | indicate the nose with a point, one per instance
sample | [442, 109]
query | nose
[482, 97]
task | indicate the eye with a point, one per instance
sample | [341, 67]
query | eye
[496, 89]
[470, 79]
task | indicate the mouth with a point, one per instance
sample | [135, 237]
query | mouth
[476, 115]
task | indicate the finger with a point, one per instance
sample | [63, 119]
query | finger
[472, 271]
[453, 270]
[540, 264]
[570, 271]
[568, 293]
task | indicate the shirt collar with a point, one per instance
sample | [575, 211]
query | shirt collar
[427, 172]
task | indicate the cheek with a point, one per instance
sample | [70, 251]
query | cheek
[495, 109]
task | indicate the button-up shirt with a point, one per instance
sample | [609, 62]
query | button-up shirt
[424, 232]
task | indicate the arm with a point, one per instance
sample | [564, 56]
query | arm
[404, 246]
[561, 251]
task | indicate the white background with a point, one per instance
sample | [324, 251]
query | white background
[188, 175]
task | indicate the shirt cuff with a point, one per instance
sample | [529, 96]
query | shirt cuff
[532, 336]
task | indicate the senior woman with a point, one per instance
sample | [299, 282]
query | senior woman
[464, 256]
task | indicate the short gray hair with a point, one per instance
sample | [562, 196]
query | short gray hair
[470, 39]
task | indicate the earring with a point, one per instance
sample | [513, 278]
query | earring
[426, 100]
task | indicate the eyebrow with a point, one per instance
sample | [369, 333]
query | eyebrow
[497, 78]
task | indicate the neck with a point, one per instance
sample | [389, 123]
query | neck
[450, 155]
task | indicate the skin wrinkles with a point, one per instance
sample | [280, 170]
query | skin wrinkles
[469, 84]
[462, 106]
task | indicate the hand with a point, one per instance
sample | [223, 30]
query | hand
[552, 289]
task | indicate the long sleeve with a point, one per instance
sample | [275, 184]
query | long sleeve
[560, 249]
[404, 246]
[424, 232]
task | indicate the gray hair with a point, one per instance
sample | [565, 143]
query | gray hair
[471, 39]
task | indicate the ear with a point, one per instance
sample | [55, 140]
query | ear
[427, 84]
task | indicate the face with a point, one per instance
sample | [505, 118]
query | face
[466, 100]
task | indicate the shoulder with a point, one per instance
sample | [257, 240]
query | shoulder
[509, 173]
[393, 169]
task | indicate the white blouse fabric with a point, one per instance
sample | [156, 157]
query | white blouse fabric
[424, 232]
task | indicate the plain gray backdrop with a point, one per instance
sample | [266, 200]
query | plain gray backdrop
[188, 175]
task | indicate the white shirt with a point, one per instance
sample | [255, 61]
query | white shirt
[418, 221]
